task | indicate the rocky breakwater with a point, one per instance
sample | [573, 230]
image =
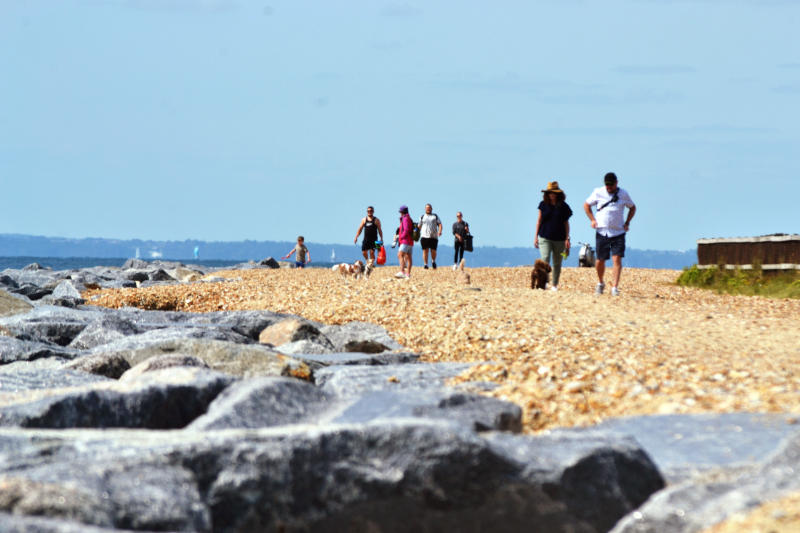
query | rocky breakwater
[257, 421]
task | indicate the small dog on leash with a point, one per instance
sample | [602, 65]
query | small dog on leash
[345, 269]
[462, 276]
[540, 274]
[368, 268]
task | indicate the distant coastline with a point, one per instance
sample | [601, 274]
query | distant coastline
[113, 252]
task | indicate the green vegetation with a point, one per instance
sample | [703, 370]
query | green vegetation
[747, 282]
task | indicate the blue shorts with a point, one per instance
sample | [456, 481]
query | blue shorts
[406, 248]
[299, 264]
[609, 246]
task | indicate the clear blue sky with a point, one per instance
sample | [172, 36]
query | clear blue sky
[233, 120]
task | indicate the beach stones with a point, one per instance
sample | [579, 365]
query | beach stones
[128, 419]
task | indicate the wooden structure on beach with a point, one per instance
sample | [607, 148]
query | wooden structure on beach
[779, 252]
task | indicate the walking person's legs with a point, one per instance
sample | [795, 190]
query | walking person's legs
[401, 262]
[602, 248]
[616, 270]
[617, 253]
[458, 248]
[557, 248]
[545, 249]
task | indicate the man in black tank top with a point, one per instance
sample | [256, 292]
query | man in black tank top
[372, 228]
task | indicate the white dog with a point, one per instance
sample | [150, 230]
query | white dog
[345, 269]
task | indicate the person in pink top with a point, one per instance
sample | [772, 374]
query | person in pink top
[405, 239]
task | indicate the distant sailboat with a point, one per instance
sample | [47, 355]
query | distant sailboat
[138, 254]
[196, 252]
[333, 255]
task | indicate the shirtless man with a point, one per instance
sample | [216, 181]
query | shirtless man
[372, 229]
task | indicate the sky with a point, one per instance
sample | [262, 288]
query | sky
[227, 120]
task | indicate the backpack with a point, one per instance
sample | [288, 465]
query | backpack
[415, 231]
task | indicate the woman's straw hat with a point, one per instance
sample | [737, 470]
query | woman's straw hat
[552, 186]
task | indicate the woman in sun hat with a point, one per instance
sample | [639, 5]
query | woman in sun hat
[552, 229]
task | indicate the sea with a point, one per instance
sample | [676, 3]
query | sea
[72, 263]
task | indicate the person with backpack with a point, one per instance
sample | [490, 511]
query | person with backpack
[611, 202]
[405, 238]
[460, 232]
[430, 231]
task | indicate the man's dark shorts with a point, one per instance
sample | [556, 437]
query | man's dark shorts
[608, 246]
[367, 245]
[429, 244]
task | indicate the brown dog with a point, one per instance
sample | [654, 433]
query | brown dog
[540, 274]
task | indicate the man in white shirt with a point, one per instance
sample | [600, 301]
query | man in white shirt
[430, 229]
[611, 202]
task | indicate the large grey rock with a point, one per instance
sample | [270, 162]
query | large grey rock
[108, 365]
[247, 323]
[160, 362]
[7, 282]
[269, 262]
[118, 284]
[12, 305]
[356, 358]
[292, 329]
[31, 291]
[598, 476]
[348, 381]
[248, 360]
[133, 263]
[359, 337]
[691, 507]
[397, 476]
[159, 275]
[53, 379]
[12, 350]
[690, 445]
[172, 334]
[164, 399]
[104, 329]
[264, 402]
[16, 523]
[116, 494]
[66, 289]
[55, 325]
[135, 275]
[303, 347]
[475, 412]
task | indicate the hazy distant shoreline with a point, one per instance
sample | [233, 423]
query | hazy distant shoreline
[234, 252]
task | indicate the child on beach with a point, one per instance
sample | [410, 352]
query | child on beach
[301, 252]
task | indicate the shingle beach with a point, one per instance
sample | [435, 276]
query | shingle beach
[568, 358]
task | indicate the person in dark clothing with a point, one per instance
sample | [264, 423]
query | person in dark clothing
[552, 229]
[372, 229]
[460, 231]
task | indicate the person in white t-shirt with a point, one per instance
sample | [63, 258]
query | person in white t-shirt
[611, 225]
[430, 229]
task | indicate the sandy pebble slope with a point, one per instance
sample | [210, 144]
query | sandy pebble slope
[568, 358]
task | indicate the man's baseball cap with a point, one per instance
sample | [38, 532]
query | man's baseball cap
[610, 178]
[403, 209]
